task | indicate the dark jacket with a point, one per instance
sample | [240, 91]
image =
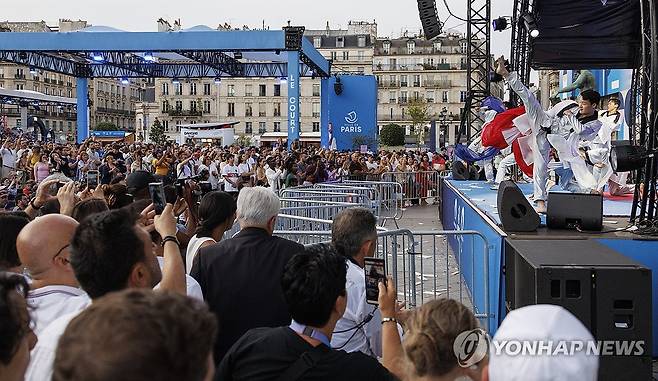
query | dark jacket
[241, 282]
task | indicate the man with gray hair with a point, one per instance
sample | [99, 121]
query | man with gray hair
[241, 277]
[354, 235]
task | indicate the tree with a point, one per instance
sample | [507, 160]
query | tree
[243, 140]
[157, 134]
[419, 112]
[392, 135]
[106, 126]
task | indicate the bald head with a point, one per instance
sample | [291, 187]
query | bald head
[40, 242]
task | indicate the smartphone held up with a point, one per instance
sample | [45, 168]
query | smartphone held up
[157, 192]
[375, 271]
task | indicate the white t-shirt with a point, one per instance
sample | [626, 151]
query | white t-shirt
[192, 250]
[42, 357]
[214, 180]
[8, 157]
[50, 302]
[193, 287]
[232, 172]
[244, 168]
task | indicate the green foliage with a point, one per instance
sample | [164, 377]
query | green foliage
[106, 126]
[419, 113]
[157, 134]
[392, 135]
[243, 140]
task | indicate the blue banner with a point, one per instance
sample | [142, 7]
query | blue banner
[293, 97]
[109, 134]
[352, 115]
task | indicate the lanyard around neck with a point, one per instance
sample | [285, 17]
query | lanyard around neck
[308, 331]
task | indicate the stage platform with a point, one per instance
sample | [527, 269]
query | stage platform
[471, 205]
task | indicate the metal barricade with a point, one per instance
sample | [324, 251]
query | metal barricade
[417, 187]
[388, 198]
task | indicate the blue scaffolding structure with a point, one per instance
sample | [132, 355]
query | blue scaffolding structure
[198, 52]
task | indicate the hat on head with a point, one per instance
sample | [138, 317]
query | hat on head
[542, 323]
[139, 180]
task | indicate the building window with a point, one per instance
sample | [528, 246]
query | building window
[416, 95]
[277, 90]
[277, 126]
[340, 42]
[206, 107]
[262, 109]
[430, 96]
[463, 46]
[334, 56]
[346, 56]
[165, 88]
[277, 109]
[206, 89]
[193, 106]
[361, 56]
[316, 109]
[403, 81]
[462, 96]
[444, 97]
[230, 90]
[262, 128]
[411, 47]
[316, 89]
[179, 105]
[317, 41]
[70, 126]
[231, 109]
[403, 97]
[19, 86]
[416, 80]
[192, 88]
[247, 128]
[316, 126]
[248, 110]
[361, 41]
[262, 90]
[387, 47]
[392, 95]
[178, 123]
[178, 88]
[393, 79]
[248, 91]
[165, 124]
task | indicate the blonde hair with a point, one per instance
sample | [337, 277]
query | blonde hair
[431, 332]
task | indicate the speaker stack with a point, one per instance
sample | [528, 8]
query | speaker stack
[575, 211]
[429, 18]
[609, 293]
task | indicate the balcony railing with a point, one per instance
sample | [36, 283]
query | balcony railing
[115, 111]
[388, 84]
[19, 76]
[181, 112]
[441, 84]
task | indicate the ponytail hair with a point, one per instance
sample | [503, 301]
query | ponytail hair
[216, 208]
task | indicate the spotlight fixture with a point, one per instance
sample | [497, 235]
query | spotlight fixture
[283, 80]
[33, 70]
[124, 81]
[625, 158]
[218, 80]
[237, 55]
[148, 57]
[277, 52]
[499, 24]
[175, 81]
[338, 86]
[531, 25]
[97, 57]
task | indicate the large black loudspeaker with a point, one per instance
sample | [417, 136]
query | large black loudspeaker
[516, 213]
[575, 210]
[429, 18]
[609, 293]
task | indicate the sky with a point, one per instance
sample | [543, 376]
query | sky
[392, 17]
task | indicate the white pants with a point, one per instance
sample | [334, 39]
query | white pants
[506, 163]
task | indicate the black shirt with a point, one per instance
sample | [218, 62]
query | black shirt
[241, 282]
[265, 353]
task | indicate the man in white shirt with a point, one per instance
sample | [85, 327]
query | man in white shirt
[230, 173]
[8, 158]
[43, 248]
[112, 251]
[354, 235]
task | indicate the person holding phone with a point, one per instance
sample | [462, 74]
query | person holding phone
[354, 234]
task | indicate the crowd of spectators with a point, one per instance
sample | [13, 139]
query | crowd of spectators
[95, 286]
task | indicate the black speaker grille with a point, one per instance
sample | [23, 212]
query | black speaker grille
[429, 18]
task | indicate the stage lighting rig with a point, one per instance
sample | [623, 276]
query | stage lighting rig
[501, 23]
[625, 158]
[531, 25]
[338, 86]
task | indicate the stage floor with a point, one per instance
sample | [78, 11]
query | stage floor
[616, 210]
